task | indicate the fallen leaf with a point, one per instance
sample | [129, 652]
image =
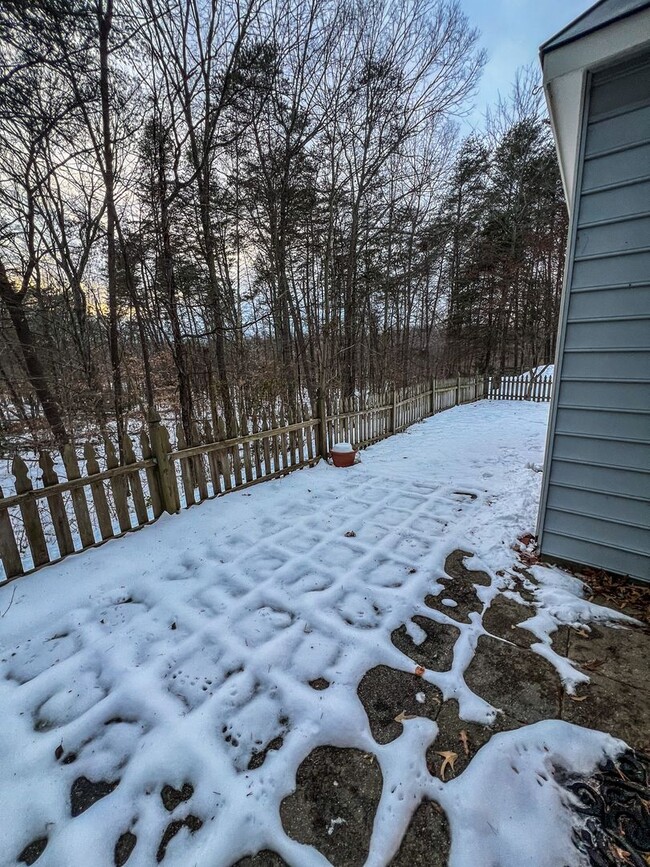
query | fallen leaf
[529, 559]
[419, 670]
[465, 741]
[350, 534]
[621, 854]
[402, 716]
[449, 760]
[577, 697]
[592, 664]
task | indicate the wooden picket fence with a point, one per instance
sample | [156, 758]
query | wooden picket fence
[518, 388]
[41, 525]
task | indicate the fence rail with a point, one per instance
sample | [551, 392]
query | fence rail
[41, 525]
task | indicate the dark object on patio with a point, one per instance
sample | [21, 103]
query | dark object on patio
[613, 807]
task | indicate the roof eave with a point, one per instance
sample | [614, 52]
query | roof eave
[555, 42]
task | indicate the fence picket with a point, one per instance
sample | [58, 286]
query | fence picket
[213, 460]
[275, 443]
[257, 448]
[302, 437]
[266, 447]
[98, 494]
[307, 434]
[118, 487]
[224, 458]
[291, 437]
[30, 514]
[246, 449]
[56, 505]
[282, 463]
[236, 461]
[134, 482]
[200, 478]
[152, 476]
[79, 503]
[9, 552]
[187, 477]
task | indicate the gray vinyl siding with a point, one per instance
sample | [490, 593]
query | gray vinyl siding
[596, 505]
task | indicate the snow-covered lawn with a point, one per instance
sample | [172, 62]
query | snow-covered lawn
[180, 653]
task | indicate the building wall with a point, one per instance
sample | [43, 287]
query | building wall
[595, 506]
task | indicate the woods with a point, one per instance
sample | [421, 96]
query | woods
[212, 206]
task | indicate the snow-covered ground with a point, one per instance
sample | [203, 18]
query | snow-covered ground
[178, 653]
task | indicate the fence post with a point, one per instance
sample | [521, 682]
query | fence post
[458, 388]
[321, 412]
[160, 446]
[486, 386]
[394, 412]
[434, 385]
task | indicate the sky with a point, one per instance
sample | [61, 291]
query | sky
[511, 33]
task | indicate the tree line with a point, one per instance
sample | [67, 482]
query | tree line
[209, 205]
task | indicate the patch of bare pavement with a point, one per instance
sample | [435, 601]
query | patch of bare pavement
[338, 789]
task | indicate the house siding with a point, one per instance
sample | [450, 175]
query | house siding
[596, 502]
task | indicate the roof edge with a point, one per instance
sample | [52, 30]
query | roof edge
[546, 47]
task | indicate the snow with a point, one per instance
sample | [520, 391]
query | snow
[333, 823]
[518, 766]
[541, 371]
[178, 653]
[342, 448]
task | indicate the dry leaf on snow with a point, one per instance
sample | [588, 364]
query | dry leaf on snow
[419, 670]
[449, 760]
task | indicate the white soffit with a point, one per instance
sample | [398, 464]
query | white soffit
[565, 69]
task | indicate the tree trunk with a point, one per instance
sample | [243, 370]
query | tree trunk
[105, 20]
[35, 371]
